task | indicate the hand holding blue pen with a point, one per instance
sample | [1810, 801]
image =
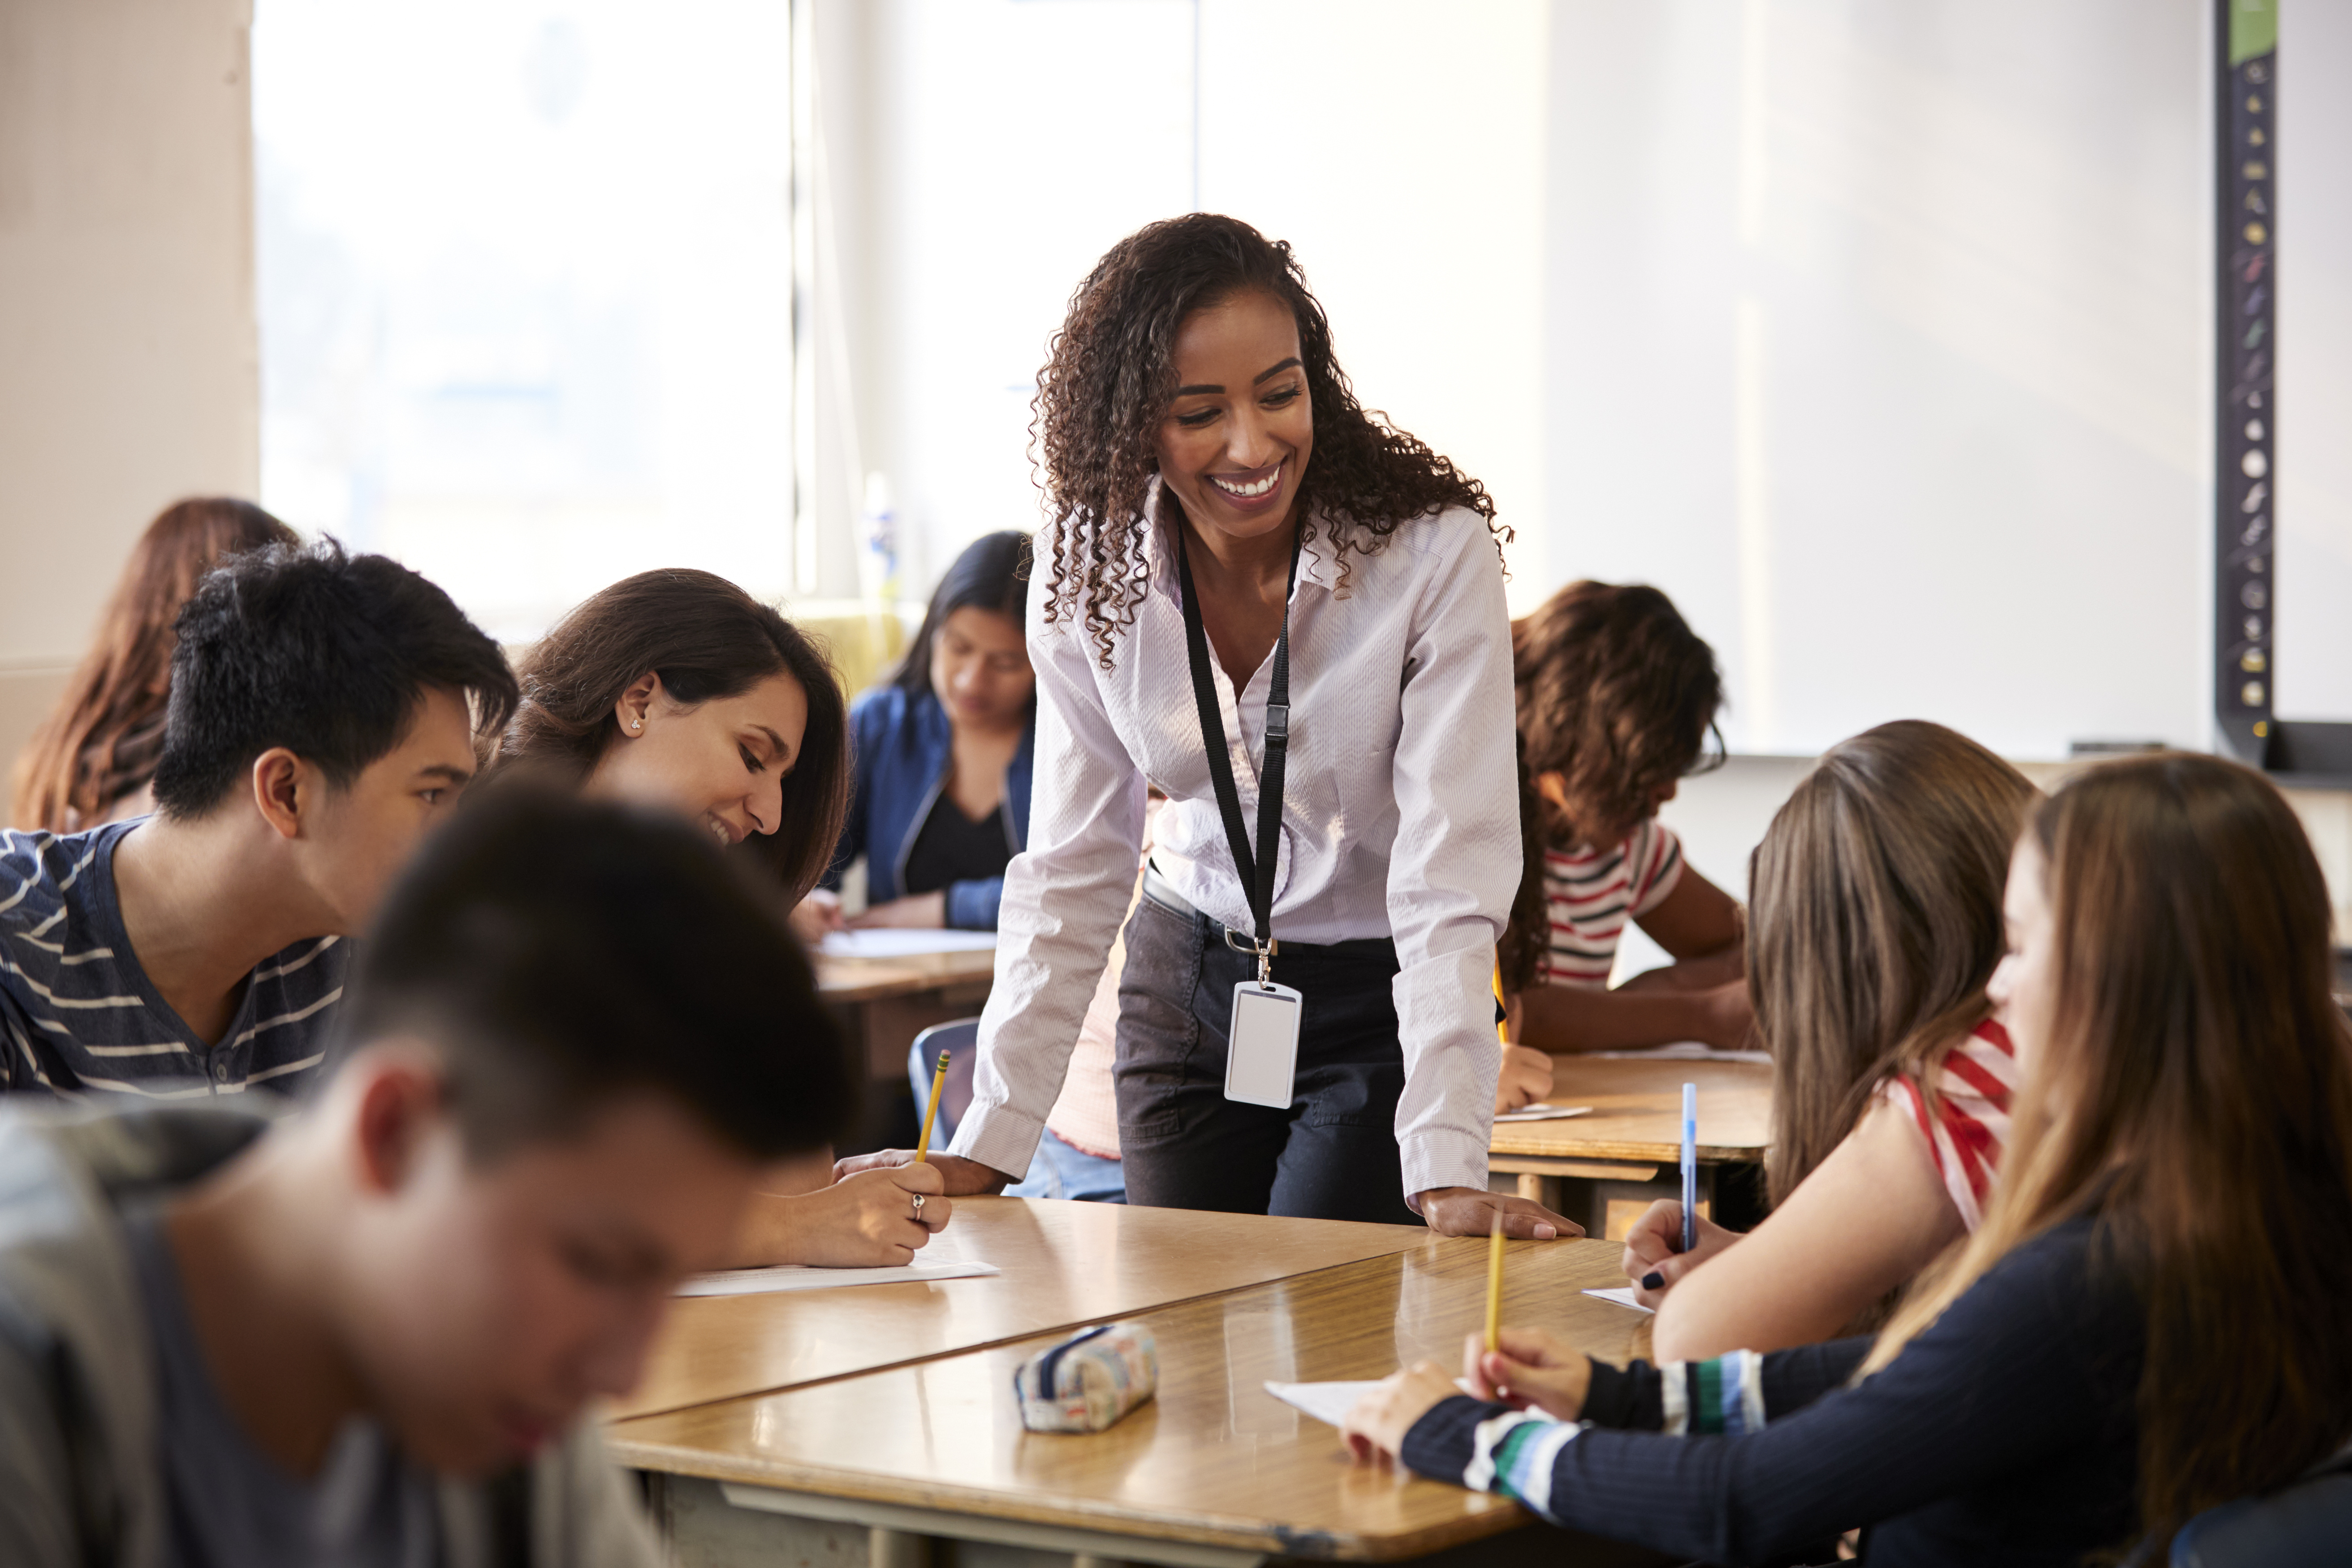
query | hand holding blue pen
[1690, 1166]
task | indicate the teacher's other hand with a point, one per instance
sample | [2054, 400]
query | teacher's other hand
[1467, 1211]
[964, 1178]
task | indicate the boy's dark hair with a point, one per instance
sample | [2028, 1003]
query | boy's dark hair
[1617, 695]
[566, 951]
[993, 573]
[326, 654]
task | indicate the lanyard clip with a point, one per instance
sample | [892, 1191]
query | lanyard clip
[1265, 951]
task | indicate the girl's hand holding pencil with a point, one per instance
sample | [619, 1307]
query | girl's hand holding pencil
[1653, 1257]
[1527, 1368]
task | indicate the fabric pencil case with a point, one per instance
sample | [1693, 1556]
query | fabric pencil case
[1088, 1380]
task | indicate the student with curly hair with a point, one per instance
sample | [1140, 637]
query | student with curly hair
[1616, 699]
[1288, 615]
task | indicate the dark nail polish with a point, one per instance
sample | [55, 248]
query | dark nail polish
[1653, 1280]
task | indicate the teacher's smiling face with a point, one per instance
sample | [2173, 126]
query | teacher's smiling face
[1235, 443]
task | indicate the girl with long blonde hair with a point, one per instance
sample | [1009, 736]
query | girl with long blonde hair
[1874, 927]
[2150, 1319]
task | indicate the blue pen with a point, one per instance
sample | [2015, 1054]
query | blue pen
[1690, 1166]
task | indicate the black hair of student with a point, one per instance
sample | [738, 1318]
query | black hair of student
[326, 654]
[993, 573]
[564, 952]
[706, 638]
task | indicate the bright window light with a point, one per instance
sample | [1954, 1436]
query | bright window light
[525, 289]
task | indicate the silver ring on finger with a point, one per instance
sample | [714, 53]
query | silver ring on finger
[918, 1205]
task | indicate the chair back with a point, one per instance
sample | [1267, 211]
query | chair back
[961, 1040]
[2303, 1526]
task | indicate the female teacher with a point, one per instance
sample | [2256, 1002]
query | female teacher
[1288, 616]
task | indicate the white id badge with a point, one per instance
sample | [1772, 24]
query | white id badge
[1262, 1051]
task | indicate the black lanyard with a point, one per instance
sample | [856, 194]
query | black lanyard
[1256, 871]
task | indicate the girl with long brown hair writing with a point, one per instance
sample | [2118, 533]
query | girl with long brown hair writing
[2149, 1323]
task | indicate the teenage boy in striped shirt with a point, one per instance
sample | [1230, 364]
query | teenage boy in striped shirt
[322, 717]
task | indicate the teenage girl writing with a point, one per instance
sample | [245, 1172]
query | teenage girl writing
[676, 689]
[1875, 926]
[1615, 698]
[2150, 1319]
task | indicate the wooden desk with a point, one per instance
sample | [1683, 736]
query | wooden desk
[1630, 1148]
[1064, 1264]
[878, 979]
[886, 1002]
[1214, 1473]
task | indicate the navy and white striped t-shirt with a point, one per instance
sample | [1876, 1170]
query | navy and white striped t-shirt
[83, 1017]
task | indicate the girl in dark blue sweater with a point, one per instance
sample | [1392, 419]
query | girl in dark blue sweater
[2150, 1321]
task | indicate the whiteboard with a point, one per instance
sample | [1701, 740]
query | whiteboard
[1879, 336]
[2314, 364]
[1880, 339]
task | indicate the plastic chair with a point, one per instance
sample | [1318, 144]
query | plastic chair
[2302, 1526]
[961, 1040]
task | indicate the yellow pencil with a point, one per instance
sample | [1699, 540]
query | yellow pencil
[1495, 1287]
[939, 1082]
[1502, 1024]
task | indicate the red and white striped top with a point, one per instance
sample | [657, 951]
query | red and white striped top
[1591, 893]
[1973, 1088]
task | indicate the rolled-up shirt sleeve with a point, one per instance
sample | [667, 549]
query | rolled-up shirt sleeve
[1455, 864]
[1062, 900]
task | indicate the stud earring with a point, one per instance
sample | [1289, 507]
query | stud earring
[637, 723]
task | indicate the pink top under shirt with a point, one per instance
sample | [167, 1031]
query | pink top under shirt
[1974, 1086]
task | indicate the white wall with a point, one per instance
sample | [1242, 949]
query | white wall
[1721, 817]
[1013, 141]
[128, 363]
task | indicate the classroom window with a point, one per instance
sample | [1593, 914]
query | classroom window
[525, 289]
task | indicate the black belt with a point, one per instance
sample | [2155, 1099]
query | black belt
[1160, 891]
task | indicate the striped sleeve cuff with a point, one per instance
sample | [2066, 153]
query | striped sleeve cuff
[1720, 1397]
[1510, 1453]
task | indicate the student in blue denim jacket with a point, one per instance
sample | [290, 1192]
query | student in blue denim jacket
[940, 801]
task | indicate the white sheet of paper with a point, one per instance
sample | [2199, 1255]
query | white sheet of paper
[1330, 1402]
[800, 1276]
[1327, 1402]
[1623, 1296]
[1542, 1113]
[1685, 1051]
[903, 942]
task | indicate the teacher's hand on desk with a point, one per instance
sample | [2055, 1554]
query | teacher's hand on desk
[1467, 1211]
[964, 1178]
[867, 1221]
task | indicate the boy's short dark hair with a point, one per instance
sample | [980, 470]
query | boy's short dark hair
[566, 951]
[326, 654]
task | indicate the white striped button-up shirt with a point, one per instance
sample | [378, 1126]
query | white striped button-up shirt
[1400, 818]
